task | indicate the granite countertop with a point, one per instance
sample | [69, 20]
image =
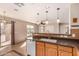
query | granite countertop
[65, 40]
[52, 36]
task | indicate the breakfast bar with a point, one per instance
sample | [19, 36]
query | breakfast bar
[48, 44]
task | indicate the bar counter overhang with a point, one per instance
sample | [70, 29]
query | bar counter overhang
[54, 36]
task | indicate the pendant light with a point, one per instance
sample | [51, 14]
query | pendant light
[41, 22]
[46, 22]
[58, 19]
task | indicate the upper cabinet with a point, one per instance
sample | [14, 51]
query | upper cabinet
[75, 20]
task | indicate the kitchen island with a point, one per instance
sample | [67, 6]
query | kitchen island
[56, 44]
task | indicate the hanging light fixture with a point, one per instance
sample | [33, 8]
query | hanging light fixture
[40, 22]
[46, 22]
[58, 19]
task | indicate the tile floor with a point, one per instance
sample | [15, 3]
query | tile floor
[14, 50]
[11, 54]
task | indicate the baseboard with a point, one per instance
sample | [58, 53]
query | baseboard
[20, 42]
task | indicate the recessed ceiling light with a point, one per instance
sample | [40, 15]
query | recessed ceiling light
[37, 13]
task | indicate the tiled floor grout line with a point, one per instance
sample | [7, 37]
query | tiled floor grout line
[12, 51]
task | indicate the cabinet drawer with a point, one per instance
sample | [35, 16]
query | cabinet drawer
[74, 52]
[64, 48]
[62, 53]
[51, 45]
[51, 52]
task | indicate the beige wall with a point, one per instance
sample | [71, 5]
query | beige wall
[20, 31]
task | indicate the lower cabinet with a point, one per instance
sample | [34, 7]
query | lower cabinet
[40, 49]
[74, 52]
[50, 50]
[63, 53]
[47, 49]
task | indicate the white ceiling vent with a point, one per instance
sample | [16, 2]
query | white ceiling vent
[19, 4]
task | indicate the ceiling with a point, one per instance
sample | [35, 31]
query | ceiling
[29, 11]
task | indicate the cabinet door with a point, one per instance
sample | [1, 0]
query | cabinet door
[51, 49]
[40, 49]
[76, 32]
[63, 53]
[74, 52]
[65, 48]
[51, 52]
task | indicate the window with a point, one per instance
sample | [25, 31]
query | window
[30, 30]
